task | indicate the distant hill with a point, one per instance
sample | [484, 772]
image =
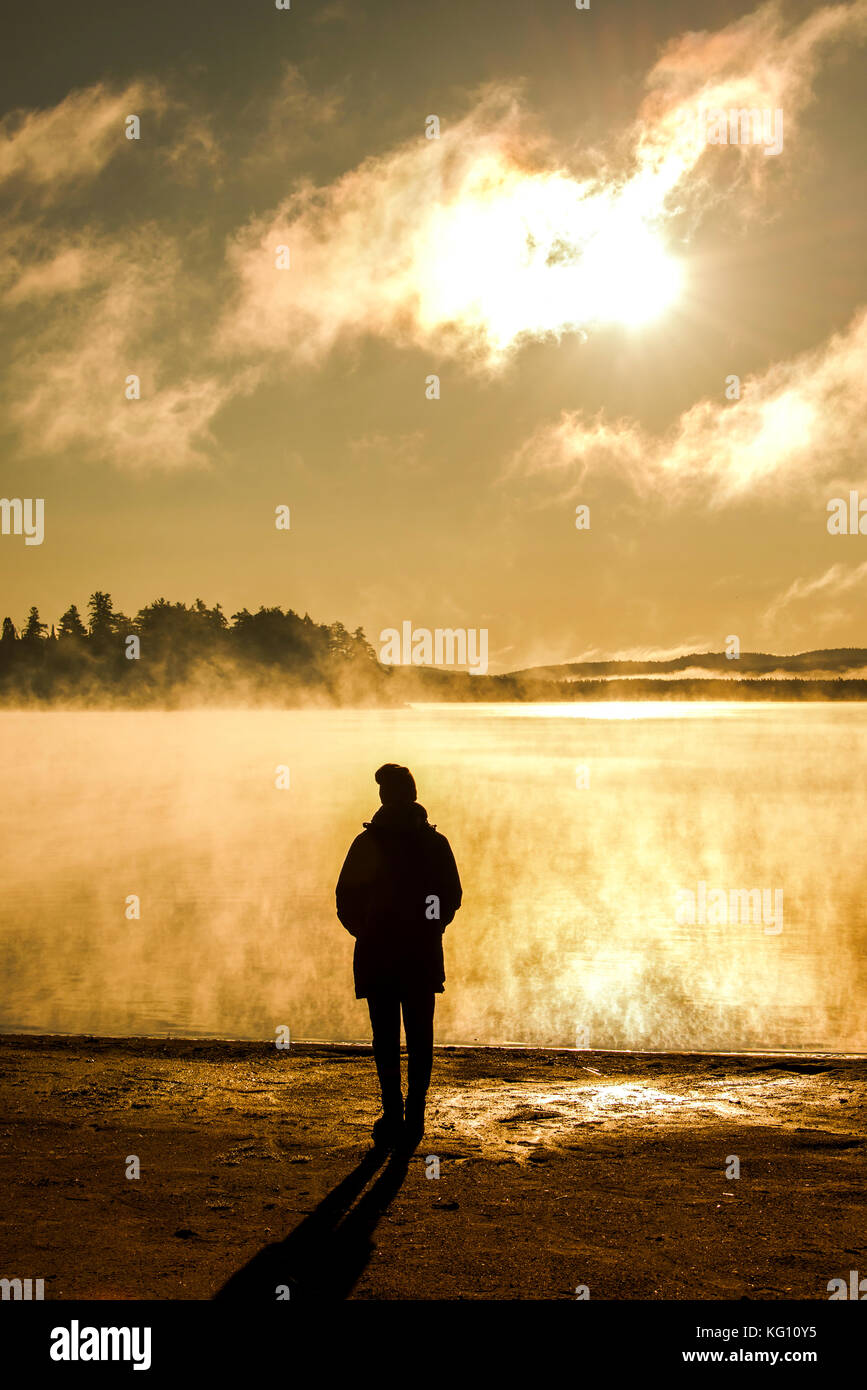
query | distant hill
[834, 661]
[425, 683]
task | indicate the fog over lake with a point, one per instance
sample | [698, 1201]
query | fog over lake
[577, 829]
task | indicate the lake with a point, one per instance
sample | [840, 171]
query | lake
[608, 855]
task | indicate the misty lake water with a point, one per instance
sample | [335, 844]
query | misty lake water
[569, 930]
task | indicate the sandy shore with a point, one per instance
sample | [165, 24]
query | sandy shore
[556, 1169]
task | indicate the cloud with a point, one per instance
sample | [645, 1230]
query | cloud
[98, 305]
[753, 64]
[195, 150]
[471, 245]
[52, 152]
[803, 419]
[483, 239]
[297, 103]
[66, 389]
[337, 12]
[52, 149]
[27, 278]
[690, 647]
[472, 242]
[837, 582]
[283, 126]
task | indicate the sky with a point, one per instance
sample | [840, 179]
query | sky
[542, 208]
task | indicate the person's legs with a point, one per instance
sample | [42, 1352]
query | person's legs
[384, 1010]
[418, 1015]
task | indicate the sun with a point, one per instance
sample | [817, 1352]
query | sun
[518, 256]
[628, 277]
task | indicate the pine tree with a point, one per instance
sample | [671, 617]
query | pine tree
[71, 624]
[102, 616]
[34, 629]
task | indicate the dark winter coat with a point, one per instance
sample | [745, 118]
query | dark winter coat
[397, 892]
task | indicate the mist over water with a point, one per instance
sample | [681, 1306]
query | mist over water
[568, 928]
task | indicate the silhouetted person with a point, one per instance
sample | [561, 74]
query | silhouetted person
[397, 892]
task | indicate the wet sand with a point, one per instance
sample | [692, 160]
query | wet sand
[556, 1169]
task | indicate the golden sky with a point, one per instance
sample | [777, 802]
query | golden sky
[578, 258]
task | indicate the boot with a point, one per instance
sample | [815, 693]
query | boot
[413, 1121]
[388, 1129]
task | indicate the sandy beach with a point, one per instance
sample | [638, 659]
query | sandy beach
[556, 1169]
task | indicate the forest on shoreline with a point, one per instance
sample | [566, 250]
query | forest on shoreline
[171, 655]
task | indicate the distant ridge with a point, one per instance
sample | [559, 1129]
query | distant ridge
[831, 660]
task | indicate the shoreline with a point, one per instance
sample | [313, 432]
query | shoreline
[556, 1168]
[147, 1040]
[731, 691]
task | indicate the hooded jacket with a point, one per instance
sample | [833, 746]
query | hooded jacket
[396, 894]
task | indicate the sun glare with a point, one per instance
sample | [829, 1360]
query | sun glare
[629, 277]
[520, 255]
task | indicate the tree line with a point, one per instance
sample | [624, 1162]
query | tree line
[168, 646]
[194, 655]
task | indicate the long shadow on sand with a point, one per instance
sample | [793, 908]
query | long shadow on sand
[326, 1253]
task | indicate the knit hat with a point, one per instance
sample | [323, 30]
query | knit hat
[396, 784]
